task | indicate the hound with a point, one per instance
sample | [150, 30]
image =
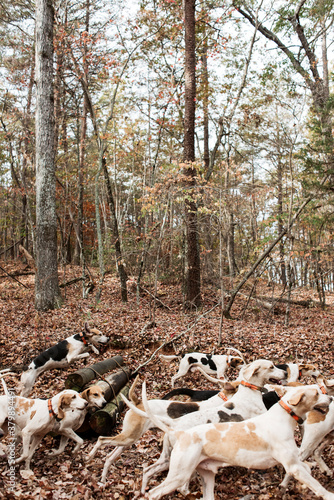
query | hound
[318, 432]
[94, 396]
[299, 370]
[213, 364]
[247, 402]
[258, 443]
[134, 425]
[61, 355]
[36, 417]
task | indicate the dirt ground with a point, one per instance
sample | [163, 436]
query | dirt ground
[254, 330]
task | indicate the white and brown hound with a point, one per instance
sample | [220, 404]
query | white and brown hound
[247, 402]
[298, 370]
[134, 425]
[318, 432]
[34, 418]
[61, 355]
[258, 443]
[94, 396]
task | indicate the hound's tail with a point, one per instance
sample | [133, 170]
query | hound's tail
[4, 385]
[132, 395]
[159, 422]
[170, 357]
[237, 351]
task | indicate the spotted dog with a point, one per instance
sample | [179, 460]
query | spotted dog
[94, 396]
[61, 355]
[299, 370]
[34, 418]
[257, 443]
[212, 364]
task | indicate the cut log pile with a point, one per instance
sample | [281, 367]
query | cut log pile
[103, 421]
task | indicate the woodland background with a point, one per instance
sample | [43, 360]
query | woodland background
[260, 190]
[261, 181]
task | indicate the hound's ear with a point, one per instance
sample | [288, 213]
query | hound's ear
[250, 371]
[87, 329]
[62, 402]
[85, 394]
[295, 399]
[329, 383]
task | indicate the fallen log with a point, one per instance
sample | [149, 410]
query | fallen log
[112, 384]
[77, 380]
[303, 303]
[103, 421]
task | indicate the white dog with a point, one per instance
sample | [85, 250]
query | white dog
[258, 443]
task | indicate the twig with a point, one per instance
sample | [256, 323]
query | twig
[2, 269]
[192, 325]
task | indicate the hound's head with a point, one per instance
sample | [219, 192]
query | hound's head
[307, 370]
[306, 399]
[94, 396]
[94, 336]
[235, 361]
[261, 372]
[69, 401]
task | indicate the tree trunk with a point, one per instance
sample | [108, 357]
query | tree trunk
[78, 253]
[119, 259]
[193, 282]
[47, 294]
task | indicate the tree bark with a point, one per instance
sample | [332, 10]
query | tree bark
[47, 294]
[193, 281]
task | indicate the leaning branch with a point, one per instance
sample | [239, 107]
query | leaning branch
[268, 250]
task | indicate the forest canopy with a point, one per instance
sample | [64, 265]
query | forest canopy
[255, 199]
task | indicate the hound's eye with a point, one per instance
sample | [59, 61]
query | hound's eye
[95, 394]
[73, 397]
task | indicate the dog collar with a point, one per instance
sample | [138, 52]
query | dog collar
[253, 387]
[51, 411]
[222, 396]
[323, 389]
[83, 338]
[292, 414]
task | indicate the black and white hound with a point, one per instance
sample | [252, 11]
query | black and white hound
[61, 355]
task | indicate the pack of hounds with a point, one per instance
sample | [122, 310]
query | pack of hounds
[248, 422]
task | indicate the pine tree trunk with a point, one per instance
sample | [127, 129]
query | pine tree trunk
[47, 294]
[193, 281]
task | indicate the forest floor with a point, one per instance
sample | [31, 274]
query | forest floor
[255, 331]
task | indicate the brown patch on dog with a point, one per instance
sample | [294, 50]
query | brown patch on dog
[314, 417]
[134, 429]
[226, 440]
[33, 413]
[64, 400]
[296, 398]
[85, 394]
[23, 405]
[177, 409]
[230, 406]
[187, 440]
